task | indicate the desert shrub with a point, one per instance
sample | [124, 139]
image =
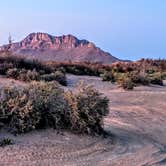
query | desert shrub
[42, 72]
[118, 67]
[143, 80]
[125, 82]
[118, 76]
[23, 74]
[107, 76]
[81, 68]
[42, 105]
[6, 141]
[48, 77]
[77, 70]
[155, 78]
[39, 105]
[4, 67]
[163, 75]
[61, 77]
[150, 71]
[17, 111]
[87, 109]
[138, 78]
[57, 76]
[13, 61]
[33, 75]
[12, 73]
[24, 111]
[23, 116]
[28, 75]
[48, 99]
[6, 94]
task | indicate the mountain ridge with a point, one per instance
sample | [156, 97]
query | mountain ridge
[63, 48]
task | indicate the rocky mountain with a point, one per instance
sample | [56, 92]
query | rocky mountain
[62, 49]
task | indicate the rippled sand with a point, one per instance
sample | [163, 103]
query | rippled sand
[137, 120]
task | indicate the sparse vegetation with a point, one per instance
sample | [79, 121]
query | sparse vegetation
[42, 105]
[30, 70]
[45, 104]
[140, 73]
[11, 61]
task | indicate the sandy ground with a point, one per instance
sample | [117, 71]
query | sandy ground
[137, 120]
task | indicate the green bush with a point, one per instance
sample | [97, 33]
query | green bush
[39, 105]
[125, 82]
[87, 109]
[42, 105]
[156, 78]
[61, 78]
[107, 76]
[23, 116]
[28, 75]
[57, 76]
[48, 99]
[6, 94]
[17, 111]
[23, 74]
[84, 68]
[138, 78]
[33, 75]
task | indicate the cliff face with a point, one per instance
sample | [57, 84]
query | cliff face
[62, 48]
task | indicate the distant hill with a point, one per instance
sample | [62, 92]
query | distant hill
[62, 49]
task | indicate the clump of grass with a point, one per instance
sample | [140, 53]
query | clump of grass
[6, 141]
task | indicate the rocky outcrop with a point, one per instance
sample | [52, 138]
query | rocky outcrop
[60, 48]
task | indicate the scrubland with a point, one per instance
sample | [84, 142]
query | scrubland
[49, 117]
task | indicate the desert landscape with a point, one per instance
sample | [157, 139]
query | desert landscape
[82, 83]
[136, 121]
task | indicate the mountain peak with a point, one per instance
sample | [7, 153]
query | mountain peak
[45, 41]
[46, 47]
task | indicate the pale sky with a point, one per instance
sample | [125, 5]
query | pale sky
[128, 29]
